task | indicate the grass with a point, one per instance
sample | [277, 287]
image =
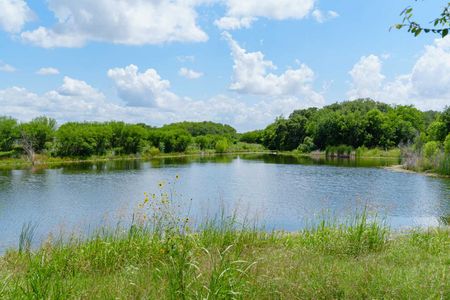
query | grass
[221, 259]
[377, 152]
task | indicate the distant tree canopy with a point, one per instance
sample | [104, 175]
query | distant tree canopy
[356, 123]
[440, 25]
[203, 128]
[93, 138]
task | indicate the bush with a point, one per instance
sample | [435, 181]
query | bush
[430, 149]
[338, 150]
[447, 144]
[307, 146]
[222, 146]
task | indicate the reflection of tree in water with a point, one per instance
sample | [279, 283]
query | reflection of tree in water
[320, 160]
[100, 166]
[186, 160]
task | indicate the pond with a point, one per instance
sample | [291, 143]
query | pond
[277, 192]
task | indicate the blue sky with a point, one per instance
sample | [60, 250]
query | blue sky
[238, 62]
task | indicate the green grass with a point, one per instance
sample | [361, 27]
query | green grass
[165, 259]
[377, 152]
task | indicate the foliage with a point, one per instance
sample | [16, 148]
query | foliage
[437, 131]
[447, 144]
[356, 123]
[430, 149]
[203, 128]
[38, 132]
[307, 145]
[341, 150]
[83, 139]
[441, 24]
[9, 132]
[252, 137]
[222, 146]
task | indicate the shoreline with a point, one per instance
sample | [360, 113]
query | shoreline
[402, 169]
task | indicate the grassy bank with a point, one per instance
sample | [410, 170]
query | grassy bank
[222, 260]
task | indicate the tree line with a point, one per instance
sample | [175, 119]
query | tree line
[358, 123]
[75, 139]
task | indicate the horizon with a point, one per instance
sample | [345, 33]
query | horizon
[217, 60]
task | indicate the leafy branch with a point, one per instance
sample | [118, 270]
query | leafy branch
[440, 25]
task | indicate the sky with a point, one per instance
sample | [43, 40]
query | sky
[240, 62]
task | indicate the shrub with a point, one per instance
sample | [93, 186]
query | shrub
[447, 144]
[222, 146]
[430, 149]
[307, 146]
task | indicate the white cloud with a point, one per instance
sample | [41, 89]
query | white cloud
[366, 76]
[75, 100]
[426, 86]
[14, 14]
[142, 89]
[251, 75]
[47, 71]
[240, 14]
[132, 22]
[233, 23]
[189, 74]
[322, 17]
[6, 68]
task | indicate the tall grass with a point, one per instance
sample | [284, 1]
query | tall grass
[26, 237]
[223, 259]
[418, 160]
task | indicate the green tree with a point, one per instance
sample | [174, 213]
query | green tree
[9, 133]
[447, 144]
[38, 132]
[437, 131]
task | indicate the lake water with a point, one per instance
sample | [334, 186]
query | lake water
[280, 192]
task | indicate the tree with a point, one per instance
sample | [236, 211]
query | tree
[9, 133]
[37, 133]
[440, 25]
[437, 131]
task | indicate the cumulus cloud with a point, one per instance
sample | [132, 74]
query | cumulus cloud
[132, 22]
[6, 68]
[426, 86]
[251, 75]
[14, 14]
[75, 100]
[240, 14]
[142, 89]
[47, 71]
[189, 74]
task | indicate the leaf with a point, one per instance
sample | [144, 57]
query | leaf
[444, 33]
